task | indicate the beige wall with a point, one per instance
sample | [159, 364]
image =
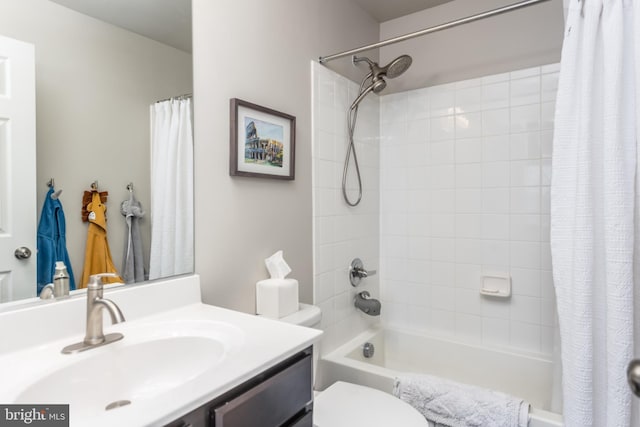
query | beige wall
[519, 39]
[259, 51]
[94, 84]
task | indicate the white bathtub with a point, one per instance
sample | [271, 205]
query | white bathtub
[520, 375]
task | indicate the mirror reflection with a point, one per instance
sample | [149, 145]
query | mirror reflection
[100, 69]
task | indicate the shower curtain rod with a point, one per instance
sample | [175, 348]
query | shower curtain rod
[178, 98]
[430, 30]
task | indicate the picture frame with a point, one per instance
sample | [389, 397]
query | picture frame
[262, 143]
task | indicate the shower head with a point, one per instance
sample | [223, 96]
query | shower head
[391, 70]
[398, 66]
[377, 84]
[378, 74]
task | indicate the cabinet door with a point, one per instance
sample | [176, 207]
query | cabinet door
[305, 420]
[275, 402]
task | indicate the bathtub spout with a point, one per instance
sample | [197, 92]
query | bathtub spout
[366, 304]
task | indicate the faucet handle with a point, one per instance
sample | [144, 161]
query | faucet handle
[95, 280]
[47, 291]
[357, 272]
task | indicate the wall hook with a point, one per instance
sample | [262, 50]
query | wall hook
[51, 183]
[94, 185]
[130, 187]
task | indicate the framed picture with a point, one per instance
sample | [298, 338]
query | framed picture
[263, 142]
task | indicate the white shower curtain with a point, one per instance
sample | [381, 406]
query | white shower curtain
[172, 246]
[594, 210]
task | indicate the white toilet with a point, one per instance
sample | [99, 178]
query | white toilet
[346, 405]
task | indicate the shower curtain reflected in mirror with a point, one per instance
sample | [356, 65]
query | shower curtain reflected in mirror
[172, 246]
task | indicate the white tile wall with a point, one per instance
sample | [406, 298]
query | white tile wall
[456, 186]
[342, 233]
[465, 174]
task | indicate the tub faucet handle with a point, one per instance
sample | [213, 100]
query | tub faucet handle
[357, 272]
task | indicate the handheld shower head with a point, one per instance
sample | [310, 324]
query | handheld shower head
[376, 86]
[379, 85]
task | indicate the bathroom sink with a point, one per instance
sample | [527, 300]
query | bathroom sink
[127, 374]
[177, 354]
[153, 359]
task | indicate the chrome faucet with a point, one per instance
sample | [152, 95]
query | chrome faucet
[94, 337]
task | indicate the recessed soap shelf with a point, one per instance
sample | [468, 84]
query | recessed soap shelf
[496, 286]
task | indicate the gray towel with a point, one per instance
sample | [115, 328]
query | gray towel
[133, 263]
[451, 404]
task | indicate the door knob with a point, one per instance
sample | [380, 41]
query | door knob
[22, 252]
[633, 376]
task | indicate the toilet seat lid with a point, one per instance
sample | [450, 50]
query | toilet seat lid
[347, 405]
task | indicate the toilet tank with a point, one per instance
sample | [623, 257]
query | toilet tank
[307, 315]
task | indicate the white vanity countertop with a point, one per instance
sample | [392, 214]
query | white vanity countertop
[250, 345]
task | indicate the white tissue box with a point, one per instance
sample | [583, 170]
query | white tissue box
[276, 298]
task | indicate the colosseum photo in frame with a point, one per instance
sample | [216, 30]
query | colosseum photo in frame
[262, 142]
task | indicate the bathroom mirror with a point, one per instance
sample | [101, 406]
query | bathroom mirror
[100, 65]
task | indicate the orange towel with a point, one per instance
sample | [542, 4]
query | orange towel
[97, 256]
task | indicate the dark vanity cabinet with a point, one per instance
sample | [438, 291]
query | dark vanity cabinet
[281, 396]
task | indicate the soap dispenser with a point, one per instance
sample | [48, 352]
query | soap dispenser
[60, 280]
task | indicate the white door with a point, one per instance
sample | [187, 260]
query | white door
[17, 169]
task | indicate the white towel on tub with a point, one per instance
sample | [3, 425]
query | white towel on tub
[452, 404]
